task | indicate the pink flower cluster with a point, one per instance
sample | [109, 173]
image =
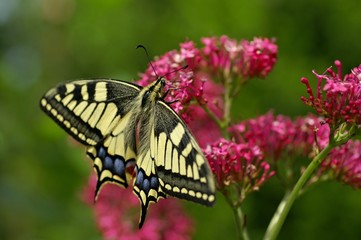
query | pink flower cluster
[344, 164]
[337, 98]
[279, 136]
[117, 215]
[245, 58]
[239, 164]
[281, 139]
[284, 142]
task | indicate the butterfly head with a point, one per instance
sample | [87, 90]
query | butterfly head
[158, 86]
[161, 82]
[153, 92]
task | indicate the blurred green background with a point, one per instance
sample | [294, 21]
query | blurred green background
[44, 42]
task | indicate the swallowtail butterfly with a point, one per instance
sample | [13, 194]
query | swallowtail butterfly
[122, 125]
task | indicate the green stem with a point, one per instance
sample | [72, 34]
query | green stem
[279, 217]
[225, 121]
[227, 106]
[240, 223]
[238, 86]
[238, 215]
[275, 218]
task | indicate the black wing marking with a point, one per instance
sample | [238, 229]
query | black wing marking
[88, 109]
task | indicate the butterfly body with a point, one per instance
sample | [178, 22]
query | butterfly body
[125, 125]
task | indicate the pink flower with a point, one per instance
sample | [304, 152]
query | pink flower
[337, 98]
[271, 133]
[190, 54]
[219, 53]
[117, 214]
[311, 132]
[279, 136]
[239, 164]
[258, 57]
[284, 142]
[344, 164]
[245, 59]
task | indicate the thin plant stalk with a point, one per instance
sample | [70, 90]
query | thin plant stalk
[283, 209]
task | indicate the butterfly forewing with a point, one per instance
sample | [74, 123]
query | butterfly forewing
[95, 112]
[88, 109]
[181, 166]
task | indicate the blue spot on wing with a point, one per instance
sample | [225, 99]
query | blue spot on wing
[101, 153]
[146, 186]
[114, 163]
[154, 182]
[140, 177]
[119, 167]
[108, 163]
[146, 183]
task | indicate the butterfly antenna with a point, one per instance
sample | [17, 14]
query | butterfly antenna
[175, 70]
[150, 62]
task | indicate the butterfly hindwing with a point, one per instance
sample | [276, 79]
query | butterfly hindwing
[147, 183]
[116, 153]
[180, 164]
[111, 166]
